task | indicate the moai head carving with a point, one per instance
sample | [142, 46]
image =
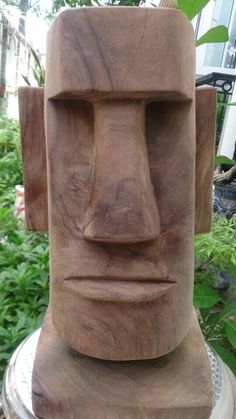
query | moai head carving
[120, 140]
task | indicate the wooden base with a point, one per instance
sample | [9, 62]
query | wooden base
[69, 385]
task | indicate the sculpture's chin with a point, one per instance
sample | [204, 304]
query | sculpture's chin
[118, 290]
[121, 321]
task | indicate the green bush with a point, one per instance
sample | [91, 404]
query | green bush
[216, 252]
[23, 283]
[23, 255]
[10, 162]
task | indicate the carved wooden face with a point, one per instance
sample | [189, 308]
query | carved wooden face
[121, 224]
[121, 183]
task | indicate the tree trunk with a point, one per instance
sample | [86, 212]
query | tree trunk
[4, 49]
[3, 58]
[24, 6]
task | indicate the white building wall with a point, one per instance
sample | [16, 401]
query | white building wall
[228, 136]
[204, 26]
[16, 66]
[18, 63]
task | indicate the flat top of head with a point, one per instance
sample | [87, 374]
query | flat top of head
[121, 50]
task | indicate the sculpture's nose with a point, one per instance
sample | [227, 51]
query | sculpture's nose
[122, 206]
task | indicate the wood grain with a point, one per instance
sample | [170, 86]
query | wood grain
[121, 176]
[31, 108]
[69, 385]
[205, 153]
[116, 54]
[121, 192]
[111, 330]
[120, 129]
[122, 205]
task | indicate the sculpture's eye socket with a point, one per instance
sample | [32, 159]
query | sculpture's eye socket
[71, 157]
[170, 142]
[173, 166]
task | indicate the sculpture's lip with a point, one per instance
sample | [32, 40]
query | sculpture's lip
[117, 290]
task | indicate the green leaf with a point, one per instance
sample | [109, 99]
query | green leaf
[213, 319]
[4, 356]
[21, 323]
[204, 313]
[204, 296]
[36, 76]
[191, 7]
[224, 160]
[229, 310]
[216, 34]
[227, 356]
[220, 104]
[3, 332]
[231, 331]
[36, 58]
[26, 80]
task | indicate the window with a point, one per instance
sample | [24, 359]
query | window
[230, 50]
[215, 52]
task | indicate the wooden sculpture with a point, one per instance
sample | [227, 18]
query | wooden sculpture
[121, 151]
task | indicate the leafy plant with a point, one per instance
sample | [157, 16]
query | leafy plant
[23, 283]
[216, 34]
[10, 161]
[220, 104]
[23, 255]
[191, 8]
[38, 70]
[215, 253]
[224, 160]
[9, 136]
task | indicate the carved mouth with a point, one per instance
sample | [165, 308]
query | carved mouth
[129, 291]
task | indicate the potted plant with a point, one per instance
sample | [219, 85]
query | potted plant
[224, 199]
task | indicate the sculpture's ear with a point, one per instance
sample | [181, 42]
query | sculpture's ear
[205, 151]
[31, 106]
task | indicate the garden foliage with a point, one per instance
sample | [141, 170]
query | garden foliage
[215, 254]
[23, 255]
[10, 162]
